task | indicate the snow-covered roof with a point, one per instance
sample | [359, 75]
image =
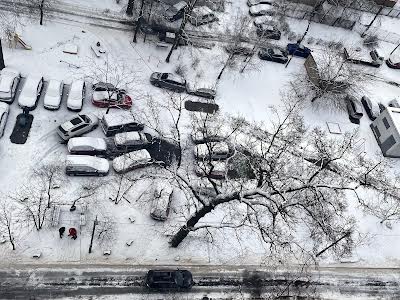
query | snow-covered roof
[130, 159]
[6, 82]
[394, 114]
[76, 88]
[82, 142]
[118, 118]
[100, 164]
[215, 147]
[28, 95]
[126, 137]
[259, 8]
[263, 19]
[201, 11]
[53, 88]
[176, 78]
[100, 95]
[31, 84]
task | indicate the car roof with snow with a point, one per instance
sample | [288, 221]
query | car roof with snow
[260, 7]
[203, 149]
[76, 89]
[96, 143]
[125, 137]
[87, 160]
[218, 166]
[126, 160]
[176, 78]
[31, 84]
[118, 118]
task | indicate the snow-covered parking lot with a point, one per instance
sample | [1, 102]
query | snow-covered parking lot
[246, 95]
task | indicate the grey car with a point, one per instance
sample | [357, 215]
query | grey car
[77, 126]
[354, 108]
[168, 81]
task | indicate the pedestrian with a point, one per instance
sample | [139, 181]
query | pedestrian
[61, 231]
[73, 233]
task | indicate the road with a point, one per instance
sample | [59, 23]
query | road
[45, 281]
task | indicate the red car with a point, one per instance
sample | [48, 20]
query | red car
[106, 95]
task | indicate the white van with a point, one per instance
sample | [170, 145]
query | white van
[85, 165]
[132, 160]
[113, 123]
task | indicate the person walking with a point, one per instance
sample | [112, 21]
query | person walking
[61, 232]
[73, 233]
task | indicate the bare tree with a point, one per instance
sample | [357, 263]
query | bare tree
[51, 177]
[42, 6]
[8, 220]
[130, 7]
[88, 192]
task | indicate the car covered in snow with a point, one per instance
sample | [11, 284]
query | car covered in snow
[87, 145]
[202, 15]
[132, 160]
[30, 92]
[9, 80]
[169, 81]
[371, 108]
[261, 10]
[273, 54]
[204, 93]
[206, 135]
[120, 121]
[259, 21]
[268, 31]
[176, 11]
[132, 140]
[52, 98]
[85, 165]
[107, 95]
[169, 279]
[76, 95]
[354, 108]
[256, 2]
[4, 110]
[77, 126]
[161, 204]
[214, 170]
[213, 151]
[298, 50]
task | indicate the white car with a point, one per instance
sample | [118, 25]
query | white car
[132, 160]
[216, 170]
[9, 80]
[87, 145]
[132, 140]
[213, 151]
[256, 2]
[261, 10]
[4, 109]
[30, 92]
[161, 204]
[52, 99]
[76, 95]
[85, 165]
[77, 126]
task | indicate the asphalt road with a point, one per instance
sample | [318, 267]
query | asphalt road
[44, 281]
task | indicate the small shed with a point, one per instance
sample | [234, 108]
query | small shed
[386, 128]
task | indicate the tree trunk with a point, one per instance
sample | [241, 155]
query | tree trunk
[2, 66]
[178, 36]
[41, 11]
[372, 22]
[129, 9]
[193, 220]
[139, 21]
[225, 65]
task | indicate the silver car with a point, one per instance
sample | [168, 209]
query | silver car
[9, 80]
[77, 126]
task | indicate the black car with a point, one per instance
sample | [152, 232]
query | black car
[273, 54]
[298, 50]
[169, 279]
[370, 107]
[169, 81]
[268, 32]
[204, 93]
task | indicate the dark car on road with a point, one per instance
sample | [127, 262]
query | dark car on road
[371, 108]
[169, 279]
[298, 50]
[169, 81]
[273, 54]
[268, 31]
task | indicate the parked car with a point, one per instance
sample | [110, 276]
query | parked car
[256, 2]
[9, 80]
[77, 126]
[169, 81]
[261, 10]
[113, 123]
[377, 59]
[133, 140]
[132, 160]
[117, 98]
[394, 103]
[216, 170]
[392, 64]
[239, 50]
[87, 146]
[273, 54]
[371, 108]
[213, 151]
[204, 93]
[169, 279]
[176, 11]
[53, 96]
[298, 50]
[202, 15]
[200, 136]
[268, 32]
[161, 203]
[85, 165]
[258, 21]
[4, 110]
[76, 95]
[353, 107]
[382, 107]
[30, 92]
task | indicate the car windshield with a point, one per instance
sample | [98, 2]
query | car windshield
[164, 76]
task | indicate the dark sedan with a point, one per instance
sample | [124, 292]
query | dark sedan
[169, 81]
[169, 279]
[298, 50]
[273, 54]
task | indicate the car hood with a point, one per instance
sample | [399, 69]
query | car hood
[27, 100]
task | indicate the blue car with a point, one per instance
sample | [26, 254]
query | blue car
[298, 50]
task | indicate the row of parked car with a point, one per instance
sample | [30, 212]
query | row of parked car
[200, 14]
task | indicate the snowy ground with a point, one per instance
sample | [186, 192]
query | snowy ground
[248, 94]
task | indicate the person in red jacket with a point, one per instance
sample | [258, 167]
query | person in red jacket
[73, 233]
